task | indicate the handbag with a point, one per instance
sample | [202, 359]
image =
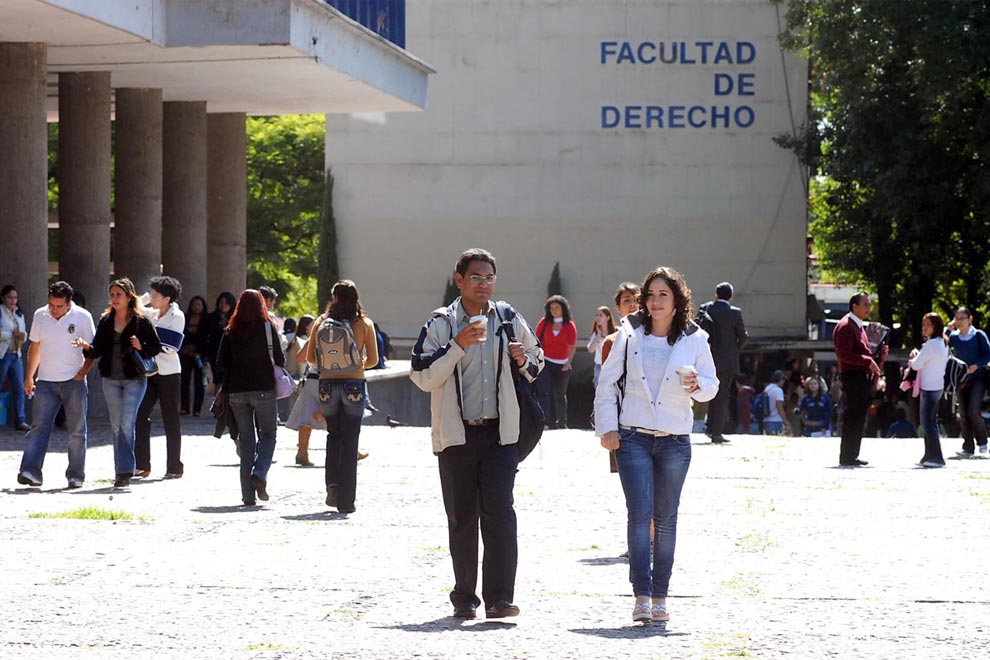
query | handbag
[285, 385]
[531, 416]
[146, 366]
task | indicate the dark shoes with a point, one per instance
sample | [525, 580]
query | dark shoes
[854, 463]
[122, 481]
[249, 503]
[501, 610]
[719, 440]
[27, 478]
[260, 486]
[173, 475]
[142, 473]
[465, 611]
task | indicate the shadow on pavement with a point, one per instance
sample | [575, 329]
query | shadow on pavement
[232, 508]
[452, 623]
[604, 561]
[635, 631]
[320, 515]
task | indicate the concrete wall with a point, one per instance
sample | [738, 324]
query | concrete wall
[511, 155]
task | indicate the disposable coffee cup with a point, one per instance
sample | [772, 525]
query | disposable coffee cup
[683, 372]
[484, 320]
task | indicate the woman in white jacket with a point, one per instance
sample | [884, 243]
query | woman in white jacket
[659, 363]
[929, 362]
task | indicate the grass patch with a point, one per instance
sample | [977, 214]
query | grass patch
[746, 585]
[727, 645]
[976, 476]
[588, 548]
[757, 542]
[757, 507]
[344, 613]
[91, 513]
[263, 646]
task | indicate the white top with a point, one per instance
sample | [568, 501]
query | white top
[656, 355]
[9, 322]
[171, 331]
[930, 364]
[670, 409]
[60, 361]
[596, 341]
[775, 394]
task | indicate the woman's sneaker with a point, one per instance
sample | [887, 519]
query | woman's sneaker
[642, 612]
[659, 613]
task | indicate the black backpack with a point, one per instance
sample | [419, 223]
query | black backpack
[531, 416]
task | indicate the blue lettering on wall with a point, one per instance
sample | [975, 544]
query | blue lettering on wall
[696, 116]
[610, 116]
[746, 81]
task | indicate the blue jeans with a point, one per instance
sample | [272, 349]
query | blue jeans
[256, 457]
[342, 403]
[123, 399]
[49, 396]
[773, 428]
[929, 423]
[12, 367]
[652, 471]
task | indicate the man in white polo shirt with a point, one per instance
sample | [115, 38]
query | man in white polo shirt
[61, 382]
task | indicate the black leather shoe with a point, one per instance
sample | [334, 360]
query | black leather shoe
[500, 610]
[719, 440]
[260, 486]
[465, 611]
[855, 463]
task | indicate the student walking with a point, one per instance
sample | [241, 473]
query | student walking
[603, 326]
[659, 364]
[558, 335]
[972, 347]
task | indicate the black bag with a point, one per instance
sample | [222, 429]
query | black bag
[146, 366]
[531, 417]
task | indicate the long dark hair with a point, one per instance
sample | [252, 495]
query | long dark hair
[347, 305]
[304, 326]
[611, 320]
[3, 294]
[189, 309]
[125, 285]
[682, 302]
[250, 310]
[565, 308]
[229, 297]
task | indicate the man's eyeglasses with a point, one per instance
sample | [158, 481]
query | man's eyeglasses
[481, 279]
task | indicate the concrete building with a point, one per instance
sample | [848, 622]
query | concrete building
[607, 136]
[179, 76]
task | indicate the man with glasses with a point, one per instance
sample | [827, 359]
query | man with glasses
[464, 358]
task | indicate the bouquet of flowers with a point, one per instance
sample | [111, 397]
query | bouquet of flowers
[876, 336]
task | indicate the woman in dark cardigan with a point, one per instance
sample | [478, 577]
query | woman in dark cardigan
[121, 331]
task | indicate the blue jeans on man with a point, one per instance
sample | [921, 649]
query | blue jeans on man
[652, 471]
[342, 403]
[49, 396]
[773, 428]
[123, 400]
[256, 455]
[12, 367]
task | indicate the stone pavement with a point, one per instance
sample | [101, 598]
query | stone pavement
[779, 553]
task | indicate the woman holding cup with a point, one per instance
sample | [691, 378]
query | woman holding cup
[659, 364]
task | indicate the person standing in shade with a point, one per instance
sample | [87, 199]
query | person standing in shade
[465, 360]
[558, 335]
[191, 356]
[971, 346]
[249, 347]
[122, 330]
[164, 386]
[342, 345]
[728, 337]
[215, 324]
[12, 336]
[857, 371]
[659, 364]
[61, 369]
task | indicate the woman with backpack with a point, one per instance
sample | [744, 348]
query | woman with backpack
[660, 363]
[972, 347]
[929, 362]
[248, 349]
[558, 334]
[342, 345]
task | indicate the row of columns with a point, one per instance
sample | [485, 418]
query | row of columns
[180, 185]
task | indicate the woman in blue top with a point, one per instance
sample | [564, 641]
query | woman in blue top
[815, 410]
[972, 347]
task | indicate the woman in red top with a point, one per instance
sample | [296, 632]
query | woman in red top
[558, 334]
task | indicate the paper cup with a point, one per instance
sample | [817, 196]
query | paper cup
[483, 319]
[683, 372]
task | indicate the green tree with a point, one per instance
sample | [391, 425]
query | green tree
[286, 171]
[554, 286]
[328, 266]
[898, 145]
[450, 292]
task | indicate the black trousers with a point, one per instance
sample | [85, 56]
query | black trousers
[477, 480]
[193, 370]
[857, 393]
[971, 422]
[552, 387]
[165, 389]
[718, 408]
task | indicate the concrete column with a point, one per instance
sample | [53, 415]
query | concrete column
[24, 173]
[184, 195]
[84, 182]
[226, 234]
[137, 236]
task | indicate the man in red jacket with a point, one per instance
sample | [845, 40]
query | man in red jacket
[857, 370]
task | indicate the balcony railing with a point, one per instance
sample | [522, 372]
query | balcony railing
[386, 18]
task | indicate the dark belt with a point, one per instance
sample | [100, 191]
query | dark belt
[312, 376]
[491, 421]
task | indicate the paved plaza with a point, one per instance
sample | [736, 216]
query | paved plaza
[780, 554]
